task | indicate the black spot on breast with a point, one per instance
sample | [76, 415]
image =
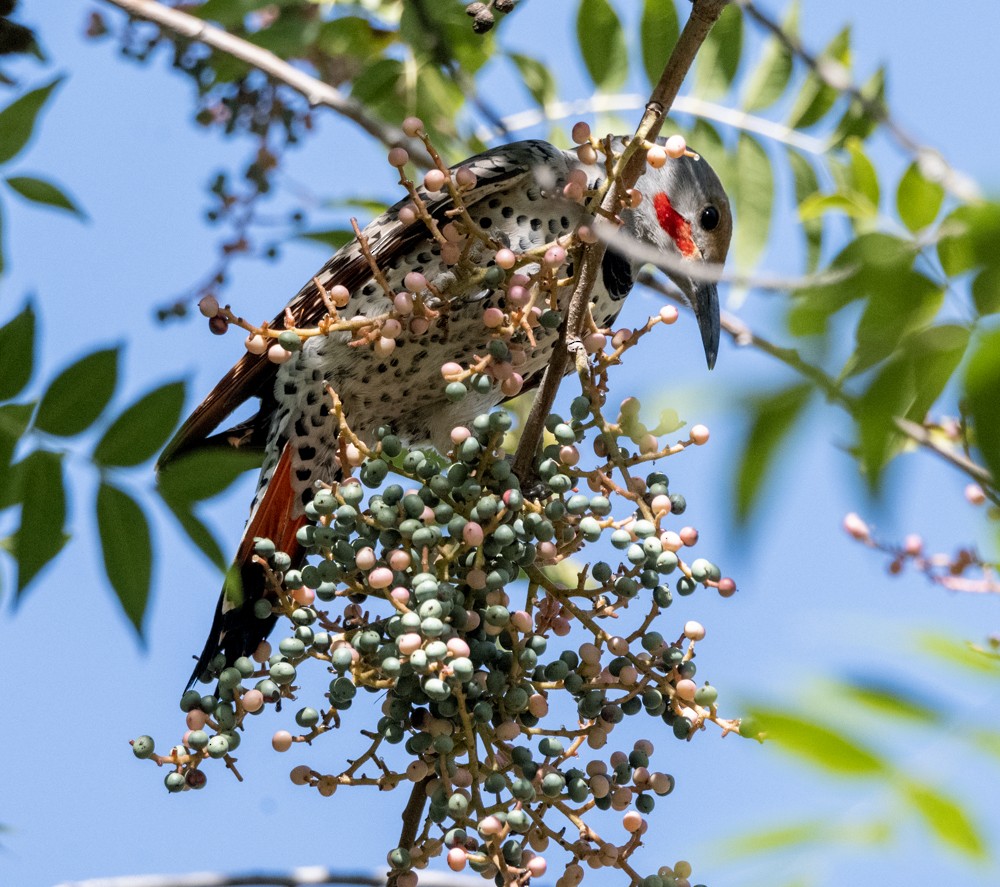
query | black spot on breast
[300, 428]
[307, 453]
[536, 224]
[424, 257]
[369, 289]
[486, 222]
[290, 388]
[311, 398]
[494, 203]
[507, 212]
[303, 474]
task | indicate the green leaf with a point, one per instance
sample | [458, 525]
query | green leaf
[199, 534]
[536, 77]
[858, 121]
[960, 653]
[753, 194]
[774, 416]
[907, 386]
[946, 819]
[658, 32]
[127, 548]
[815, 99]
[863, 176]
[807, 184]
[17, 353]
[40, 535]
[41, 191]
[986, 291]
[1, 239]
[891, 700]
[17, 120]
[778, 837]
[820, 745]
[982, 396]
[15, 418]
[334, 237]
[141, 429]
[770, 78]
[918, 200]
[602, 44]
[969, 236]
[906, 304]
[850, 203]
[79, 394]
[719, 57]
[203, 474]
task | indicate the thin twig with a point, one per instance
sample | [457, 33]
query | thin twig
[683, 104]
[978, 473]
[704, 14]
[932, 163]
[315, 91]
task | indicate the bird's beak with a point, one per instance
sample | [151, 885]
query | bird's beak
[705, 302]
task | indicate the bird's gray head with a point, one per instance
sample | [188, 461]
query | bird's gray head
[685, 216]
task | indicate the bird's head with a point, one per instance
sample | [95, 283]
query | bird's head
[685, 216]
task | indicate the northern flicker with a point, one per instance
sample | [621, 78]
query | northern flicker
[517, 199]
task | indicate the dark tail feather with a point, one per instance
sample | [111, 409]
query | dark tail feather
[236, 631]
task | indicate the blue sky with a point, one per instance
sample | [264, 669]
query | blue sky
[812, 604]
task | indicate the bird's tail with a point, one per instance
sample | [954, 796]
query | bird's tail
[236, 631]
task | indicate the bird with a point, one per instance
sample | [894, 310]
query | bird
[514, 193]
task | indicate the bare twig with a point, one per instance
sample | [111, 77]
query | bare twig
[315, 91]
[978, 473]
[298, 877]
[704, 14]
[683, 104]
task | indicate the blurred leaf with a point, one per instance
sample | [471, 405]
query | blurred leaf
[774, 416]
[987, 741]
[352, 35]
[141, 429]
[602, 44]
[818, 744]
[858, 122]
[960, 653]
[918, 200]
[377, 86]
[753, 193]
[79, 394]
[199, 534]
[17, 353]
[658, 32]
[945, 818]
[14, 421]
[17, 120]
[815, 99]
[289, 35]
[986, 291]
[719, 57]
[537, 78]
[969, 236]
[982, 397]
[127, 548]
[40, 535]
[864, 177]
[770, 78]
[907, 386]
[1, 240]
[334, 237]
[850, 203]
[891, 700]
[807, 184]
[41, 191]
[909, 303]
[203, 474]
[779, 837]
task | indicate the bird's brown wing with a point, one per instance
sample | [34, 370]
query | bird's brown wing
[253, 375]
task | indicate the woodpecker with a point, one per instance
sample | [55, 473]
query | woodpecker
[516, 197]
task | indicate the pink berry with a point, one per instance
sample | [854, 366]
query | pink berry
[686, 688]
[573, 191]
[518, 295]
[450, 369]
[277, 354]
[434, 180]
[580, 132]
[669, 314]
[253, 700]
[218, 325]
[263, 652]
[676, 146]
[304, 595]
[450, 254]
[689, 536]
[587, 155]
[281, 741]
[513, 385]
[412, 126]
[408, 214]
[472, 533]
[365, 558]
[299, 775]
[586, 234]
[656, 157]
[856, 527]
[340, 295]
[409, 643]
[694, 631]
[460, 434]
[594, 343]
[699, 434]
[392, 328]
[492, 318]
[465, 177]
[399, 157]
[380, 577]
[555, 256]
[403, 303]
[419, 325]
[457, 857]
[727, 587]
[505, 259]
[974, 494]
[256, 344]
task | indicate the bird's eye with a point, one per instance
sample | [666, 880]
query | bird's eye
[709, 218]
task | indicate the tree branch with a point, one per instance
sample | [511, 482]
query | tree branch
[315, 91]
[704, 14]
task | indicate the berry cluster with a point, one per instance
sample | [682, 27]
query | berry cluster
[504, 647]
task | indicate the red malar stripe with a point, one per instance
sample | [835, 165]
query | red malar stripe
[674, 224]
